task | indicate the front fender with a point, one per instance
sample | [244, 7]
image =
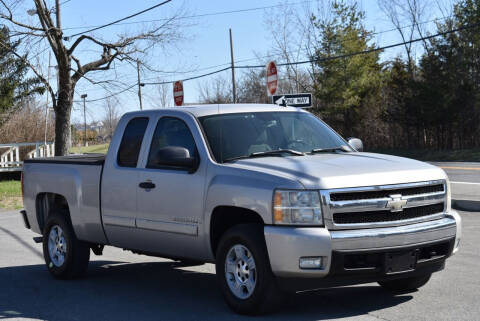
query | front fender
[244, 189]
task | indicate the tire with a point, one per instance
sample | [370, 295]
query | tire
[66, 256]
[258, 292]
[405, 285]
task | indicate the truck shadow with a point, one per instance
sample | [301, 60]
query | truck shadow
[160, 291]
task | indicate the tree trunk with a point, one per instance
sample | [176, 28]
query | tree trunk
[63, 107]
[63, 113]
[62, 130]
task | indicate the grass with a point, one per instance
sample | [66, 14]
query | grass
[461, 155]
[101, 149]
[10, 195]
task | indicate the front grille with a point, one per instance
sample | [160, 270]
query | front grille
[387, 216]
[352, 196]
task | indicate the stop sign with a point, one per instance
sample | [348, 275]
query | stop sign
[178, 93]
[272, 78]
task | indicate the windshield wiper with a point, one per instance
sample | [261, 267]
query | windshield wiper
[267, 153]
[330, 150]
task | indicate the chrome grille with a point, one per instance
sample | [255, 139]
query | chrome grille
[374, 206]
[386, 193]
[386, 216]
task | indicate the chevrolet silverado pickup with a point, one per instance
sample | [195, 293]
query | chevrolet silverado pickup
[271, 195]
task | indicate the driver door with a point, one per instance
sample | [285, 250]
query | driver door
[170, 203]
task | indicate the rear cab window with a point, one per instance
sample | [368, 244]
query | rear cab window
[131, 143]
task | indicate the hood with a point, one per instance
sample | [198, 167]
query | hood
[342, 170]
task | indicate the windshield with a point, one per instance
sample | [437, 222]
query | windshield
[239, 135]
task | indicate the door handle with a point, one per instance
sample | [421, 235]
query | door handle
[146, 185]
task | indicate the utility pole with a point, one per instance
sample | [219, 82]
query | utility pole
[84, 120]
[46, 108]
[234, 90]
[140, 85]
[57, 13]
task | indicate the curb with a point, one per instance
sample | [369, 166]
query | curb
[465, 205]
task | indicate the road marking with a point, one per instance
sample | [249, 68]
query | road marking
[466, 183]
[462, 168]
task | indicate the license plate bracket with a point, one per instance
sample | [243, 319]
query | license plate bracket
[400, 262]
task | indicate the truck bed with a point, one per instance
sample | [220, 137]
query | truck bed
[76, 179]
[85, 159]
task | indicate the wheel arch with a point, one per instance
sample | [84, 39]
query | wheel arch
[48, 203]
[225, 217]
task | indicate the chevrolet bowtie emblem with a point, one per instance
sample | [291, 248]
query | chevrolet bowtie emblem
[396, 203]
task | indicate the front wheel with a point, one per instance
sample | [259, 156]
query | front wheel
[407, 284]
[243, 271]
[66, 256]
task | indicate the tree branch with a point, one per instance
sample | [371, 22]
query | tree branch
[103, 63]
[9, 17]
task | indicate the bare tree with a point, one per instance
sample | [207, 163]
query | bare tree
[291, 35]
[407, 17]
[26, 123]
[445, 7]
[164, 94]
[216, 91]
[71, 69]
[252, 87]
[295, 37]
[111, 116]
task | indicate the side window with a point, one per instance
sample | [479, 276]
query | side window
[171, 132]
[132, 142]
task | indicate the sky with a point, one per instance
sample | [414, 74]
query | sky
[204, 46]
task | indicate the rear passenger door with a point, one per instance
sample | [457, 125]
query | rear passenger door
[120, 183]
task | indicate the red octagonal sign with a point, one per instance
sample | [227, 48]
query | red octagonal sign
[272, 78]
[178, 93]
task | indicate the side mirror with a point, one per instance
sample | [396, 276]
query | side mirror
[355, 143]
[175, 156]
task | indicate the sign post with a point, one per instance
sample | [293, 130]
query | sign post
[178, 93]
[272, 78]
[295, 100]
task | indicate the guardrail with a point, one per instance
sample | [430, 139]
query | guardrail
[10, 159]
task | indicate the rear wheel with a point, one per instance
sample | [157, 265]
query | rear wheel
[407, 284]
[66, 256]
[243, 271]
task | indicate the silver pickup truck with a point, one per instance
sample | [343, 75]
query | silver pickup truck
[271, 195]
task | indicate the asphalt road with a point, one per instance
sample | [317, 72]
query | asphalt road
[465, 183]
[461, 172]
[124, 286]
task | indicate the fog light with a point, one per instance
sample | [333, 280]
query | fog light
[311, 262]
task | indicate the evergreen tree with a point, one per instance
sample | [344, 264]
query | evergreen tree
[450, 95]
[14, 83]
[346, 88]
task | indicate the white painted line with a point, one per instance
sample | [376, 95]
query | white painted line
[466, 183]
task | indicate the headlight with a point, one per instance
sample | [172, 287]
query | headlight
[297, 207]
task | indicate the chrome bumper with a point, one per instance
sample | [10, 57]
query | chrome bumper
[286, 245]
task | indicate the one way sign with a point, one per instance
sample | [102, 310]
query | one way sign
[294, 100]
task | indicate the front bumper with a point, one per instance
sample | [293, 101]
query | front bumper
[286, 245]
